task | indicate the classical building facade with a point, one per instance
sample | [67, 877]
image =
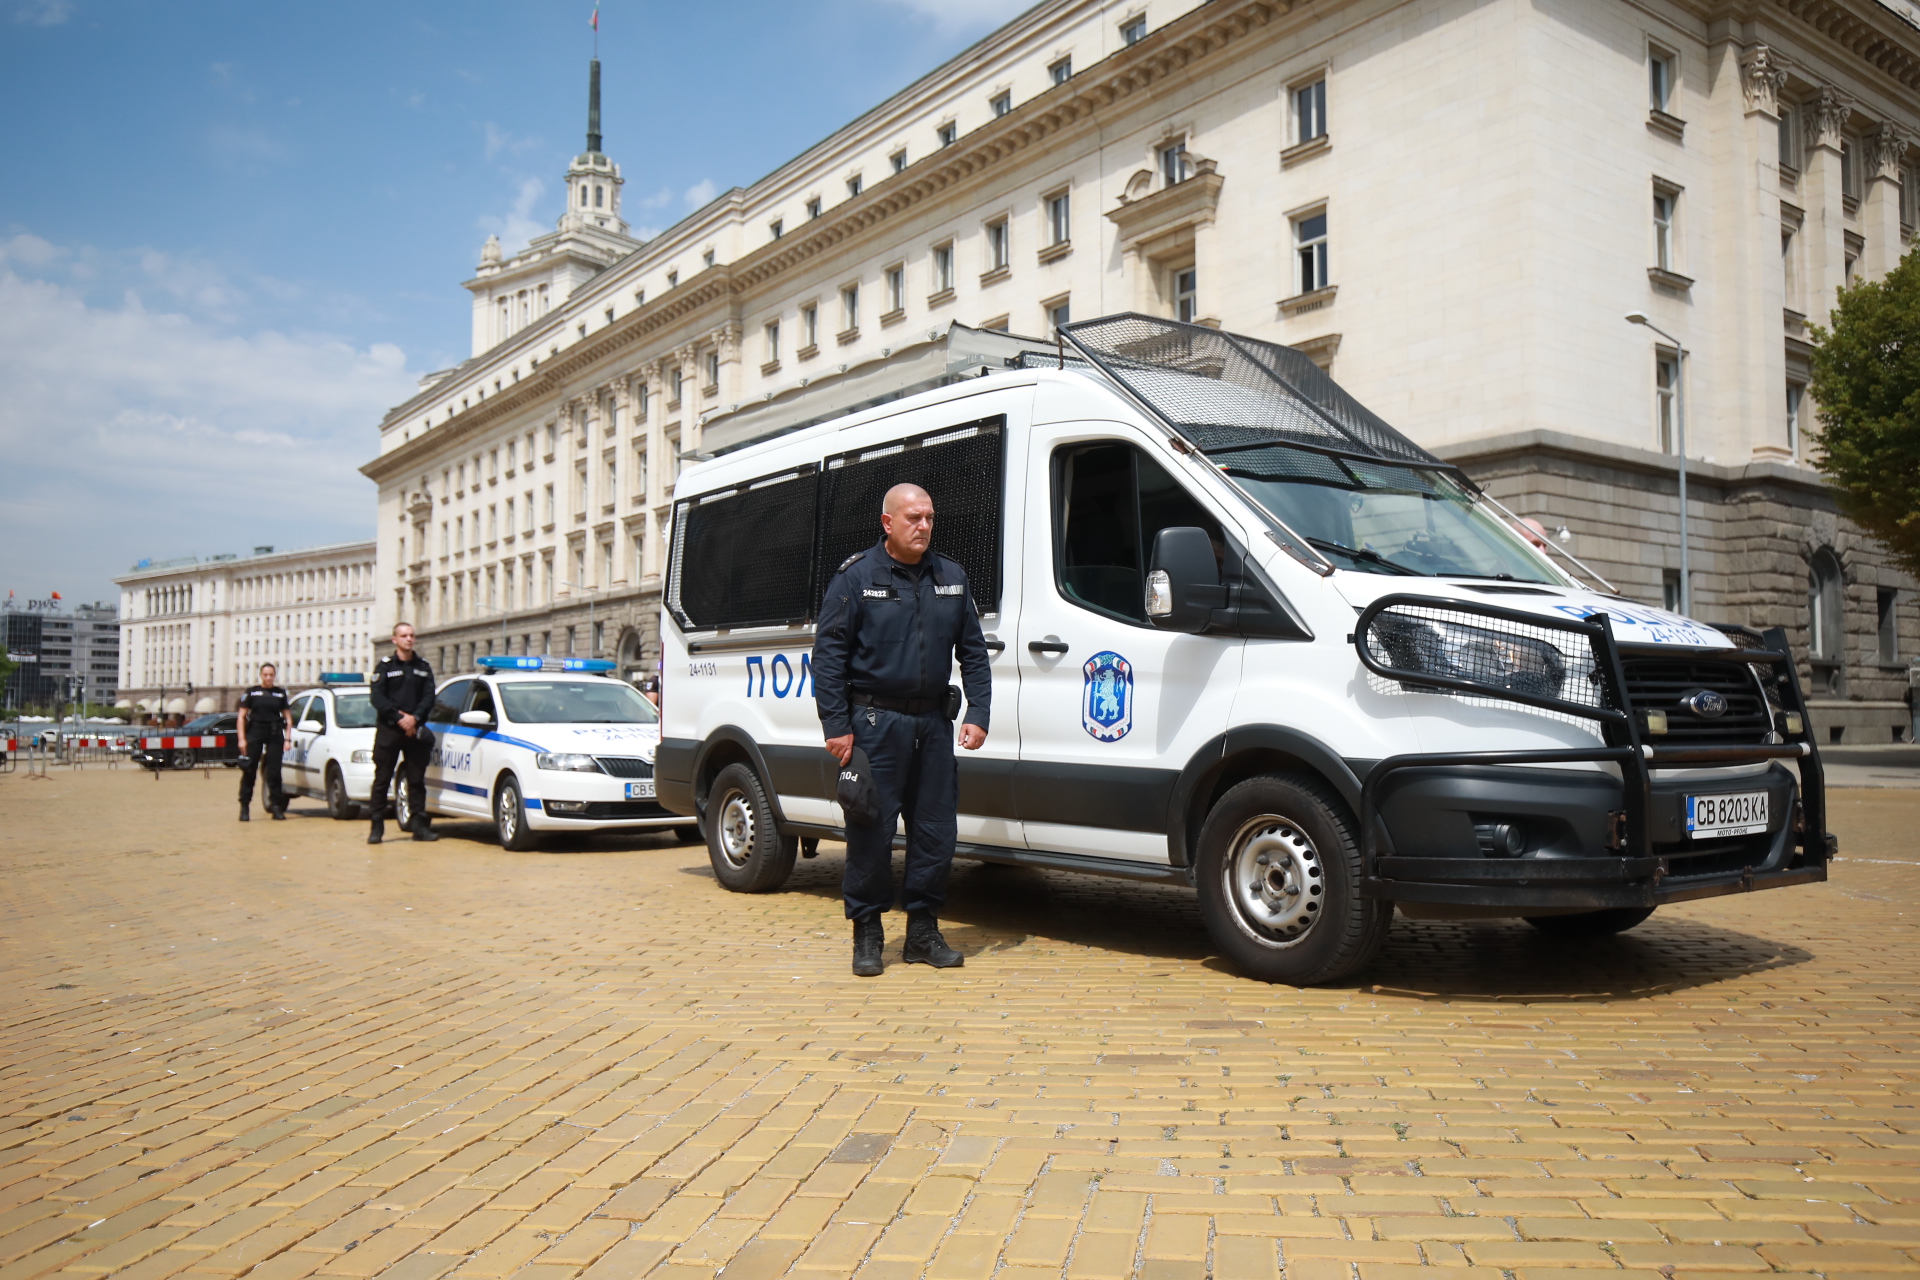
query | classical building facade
[1453, 204]
[195, 632]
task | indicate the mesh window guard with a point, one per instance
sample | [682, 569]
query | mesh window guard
[961, 467]
[743, 557]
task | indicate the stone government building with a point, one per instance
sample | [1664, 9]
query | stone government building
[1452, 204]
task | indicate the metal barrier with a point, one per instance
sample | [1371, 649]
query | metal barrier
[92, 750]
[186, 751]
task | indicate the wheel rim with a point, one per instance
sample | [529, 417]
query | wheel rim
[1275, 880]
[402, 811]
[509, 814]
[736, 829]
[183, 759]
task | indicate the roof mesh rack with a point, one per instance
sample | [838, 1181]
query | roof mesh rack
[1223, 391]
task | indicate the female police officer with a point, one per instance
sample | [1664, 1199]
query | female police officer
[894, 618]
[265, 720]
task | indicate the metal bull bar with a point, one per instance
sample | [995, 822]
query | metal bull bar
[1524, 882]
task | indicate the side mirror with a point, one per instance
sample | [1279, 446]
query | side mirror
[478, 719]
[1183, 581]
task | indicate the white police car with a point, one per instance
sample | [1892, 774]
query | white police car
[543, 744]
[331, 752]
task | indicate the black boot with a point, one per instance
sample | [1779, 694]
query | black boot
[925, 945]
[377, 833]
[243, 812]
[868, 939]
[279, 811]
[421, 831]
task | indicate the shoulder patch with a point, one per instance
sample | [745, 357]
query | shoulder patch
[850, 561]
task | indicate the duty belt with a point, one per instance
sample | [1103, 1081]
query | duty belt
[905, 706]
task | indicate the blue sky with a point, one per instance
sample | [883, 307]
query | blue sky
[232, 234]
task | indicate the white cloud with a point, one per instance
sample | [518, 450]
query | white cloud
[700, 194]
[43, 13]
[131, 432]
[504, 142]
[518, 225]
[962, 17]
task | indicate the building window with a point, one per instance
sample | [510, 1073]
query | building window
[943, 267]
[1660, 72]
[642, 397]
[896, 289]
[1310, 111]
[713, 368]
[1887, 620]
[1826, 622]
[898, 160]
[854, 186]
[1062, 71]
[1001, 103]
[579, 487]
[997, 244]
[673, 278]
[1849, 171]
[776, 229]
[1670, 589]
[1795, 395]
[1310, 250]
[1666, 388]
[809, 326]
[813, 208]
[583, 195]
[550, 504]
[1665, 202]
[773, 342]
[1133, 30]
[639, 557]
[948, 133]
[1186, 292]
[1060, 217]
[850, 308]
[706, 259]
[1175, 168]
[1789, 137]
[599, 196]
[1060, 313]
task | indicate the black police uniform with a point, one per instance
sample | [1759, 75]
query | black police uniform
[401, 686]
[265, 710]
[888, 635]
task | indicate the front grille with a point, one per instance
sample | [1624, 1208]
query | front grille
[609, 809]
[1658, 684]
[626, 766]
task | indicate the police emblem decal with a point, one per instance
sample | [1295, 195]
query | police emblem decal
[1106, 702]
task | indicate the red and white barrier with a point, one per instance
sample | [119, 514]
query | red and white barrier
[176, 744]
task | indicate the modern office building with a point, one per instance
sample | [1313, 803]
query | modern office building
[60, 655]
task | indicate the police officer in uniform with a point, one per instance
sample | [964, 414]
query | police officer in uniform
[402, 694]
[893, 620]
[265, 720]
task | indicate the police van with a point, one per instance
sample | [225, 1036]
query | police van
[537, 745]
[1246, 637]
[330, 754]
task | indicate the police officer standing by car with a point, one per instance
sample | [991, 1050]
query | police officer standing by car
[893, 620]
[263, 725]
[402, 695]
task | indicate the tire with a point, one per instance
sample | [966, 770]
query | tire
[402, 807]
[182, 759]
[690, 834]
[510, 817]
[1279, 881]
[1591, 924]
[339, 807]
[748, 854]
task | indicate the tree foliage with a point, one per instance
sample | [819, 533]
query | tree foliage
[1866, 381]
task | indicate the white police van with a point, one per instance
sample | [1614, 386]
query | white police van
[1245, 636]
[331, 752]
[539, 745]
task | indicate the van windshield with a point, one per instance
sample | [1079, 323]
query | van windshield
[575, 702]
[1377, 518]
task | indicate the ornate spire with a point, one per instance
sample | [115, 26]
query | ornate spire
[593, 108]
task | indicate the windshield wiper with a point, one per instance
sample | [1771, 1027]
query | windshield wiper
[1367, 557]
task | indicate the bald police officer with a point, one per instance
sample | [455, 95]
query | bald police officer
[894, 618]
[265, 721]
[402, 695]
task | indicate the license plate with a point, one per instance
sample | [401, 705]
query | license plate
[644, 790]
[1741, 814]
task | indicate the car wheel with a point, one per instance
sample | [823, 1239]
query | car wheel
[1590, 924]
[182, 759]
[402, 806]
[510, 817]
[1279, 881]
[339, 807]
[748, 855]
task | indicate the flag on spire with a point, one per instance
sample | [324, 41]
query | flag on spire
[596, 18]
[54, 594]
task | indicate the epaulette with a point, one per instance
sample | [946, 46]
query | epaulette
[850, 561]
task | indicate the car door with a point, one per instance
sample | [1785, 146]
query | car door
[449, 783]
[1111, 709]
[294, 770]
[316, 725]
[489, 751]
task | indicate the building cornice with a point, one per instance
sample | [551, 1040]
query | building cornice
[1540, 442]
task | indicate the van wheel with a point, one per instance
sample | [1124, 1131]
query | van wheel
[1279, 881]
[510, 817]
[1591, 924]
[339, 808]
[748, 855]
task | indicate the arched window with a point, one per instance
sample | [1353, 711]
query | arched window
[583, 195]
[1826, 623]
[599, 194]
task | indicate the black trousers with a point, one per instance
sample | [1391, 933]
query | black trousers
[391, 747]
[263, 754]
[917, 780]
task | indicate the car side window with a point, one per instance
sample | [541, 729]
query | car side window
[450, 702]
[483, 699]
[299, 709]
[315, 716]
[1110, 502]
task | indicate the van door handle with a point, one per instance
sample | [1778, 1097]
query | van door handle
[995, 644]
[1052, 644]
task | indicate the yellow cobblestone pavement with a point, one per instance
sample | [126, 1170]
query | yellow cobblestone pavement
[272, 1050]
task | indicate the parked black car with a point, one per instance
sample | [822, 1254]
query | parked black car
[223, 723]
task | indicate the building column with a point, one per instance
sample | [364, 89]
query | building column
[1826, 226]
[1750, 378]
[1886, 151]
[687, 360]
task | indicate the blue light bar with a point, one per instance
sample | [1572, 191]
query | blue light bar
[500, 662]
[342, 677]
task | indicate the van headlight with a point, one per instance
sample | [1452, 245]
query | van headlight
[566, 762]
[362, 756]
[1516, 664]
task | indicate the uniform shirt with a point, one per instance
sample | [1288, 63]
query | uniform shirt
[265, 710]
[402, 686]
[894, 630]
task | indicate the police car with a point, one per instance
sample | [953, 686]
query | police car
[330, 754]
[543, 744]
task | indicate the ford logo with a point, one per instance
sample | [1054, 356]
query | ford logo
[1705, 703]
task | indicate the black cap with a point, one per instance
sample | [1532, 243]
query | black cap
[855, 790]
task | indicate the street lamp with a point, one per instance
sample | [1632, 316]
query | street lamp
[1680, 447]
